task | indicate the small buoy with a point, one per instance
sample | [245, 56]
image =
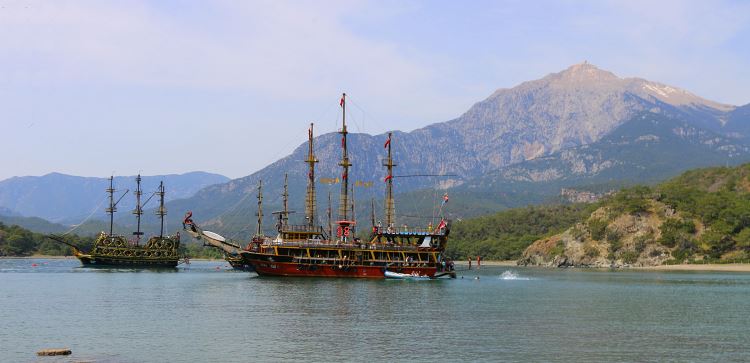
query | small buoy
[218, 267]
[63, 351]
[34, 265]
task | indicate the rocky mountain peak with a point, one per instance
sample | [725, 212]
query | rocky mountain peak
[584, 72]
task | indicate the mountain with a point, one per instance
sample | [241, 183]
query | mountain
[69, 199]
[650, 147]
[35, 224]
[575, 107]
[738, 123]
[552, 116]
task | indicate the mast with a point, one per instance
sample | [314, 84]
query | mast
[284, 217]
[112, 207]
[372, 213]
[389, 203]
[138, 211]
[311, 199]
[259, 231]
[330, 226]
[354, 205]
[162, 211]
[344, 222]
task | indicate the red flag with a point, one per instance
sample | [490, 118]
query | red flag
[343, 141]
[389, 177]
[387, 142]
[442, 224]
[341, 103]
[343, 176]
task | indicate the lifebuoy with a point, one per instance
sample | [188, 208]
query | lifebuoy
[346, 231]
[338, 231]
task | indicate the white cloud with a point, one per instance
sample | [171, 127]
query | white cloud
[274, 48]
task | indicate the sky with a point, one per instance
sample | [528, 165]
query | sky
[94, 88]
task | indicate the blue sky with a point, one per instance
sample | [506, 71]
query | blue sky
[96, 87]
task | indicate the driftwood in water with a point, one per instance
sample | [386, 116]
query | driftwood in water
[62, 351]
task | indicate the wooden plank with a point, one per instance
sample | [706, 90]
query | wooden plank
[50, 352]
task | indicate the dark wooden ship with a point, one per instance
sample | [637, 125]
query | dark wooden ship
[308, 250]
[111, 250]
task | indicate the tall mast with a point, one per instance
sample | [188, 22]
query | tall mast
[138, 211]
[389, 203]
[162, 211]
[112, 208]
[259, 231]
[372, 213]
[330, 226]
[354, 205]
[345, 164]
[311, 201]
[285, 213]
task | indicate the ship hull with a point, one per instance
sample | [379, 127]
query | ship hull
[354, 271]
[267, 265]
[101, 261]
[115, 251]
[239, 264]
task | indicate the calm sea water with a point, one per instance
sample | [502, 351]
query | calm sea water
[208, 313]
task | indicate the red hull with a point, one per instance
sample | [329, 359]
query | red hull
[293, 269]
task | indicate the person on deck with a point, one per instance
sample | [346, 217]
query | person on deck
[469, 262]
[479, 261]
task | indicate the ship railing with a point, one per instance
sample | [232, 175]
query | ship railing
[370, 246]
[409, 231]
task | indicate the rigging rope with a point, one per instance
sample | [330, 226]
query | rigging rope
[87, 218]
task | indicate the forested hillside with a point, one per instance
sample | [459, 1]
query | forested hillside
[504, 235]
[701, 215]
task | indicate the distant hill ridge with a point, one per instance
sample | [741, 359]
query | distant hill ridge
[68, 199]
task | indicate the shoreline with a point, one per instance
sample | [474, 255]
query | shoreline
[725, 267]
[46, 257]
[728, 267]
